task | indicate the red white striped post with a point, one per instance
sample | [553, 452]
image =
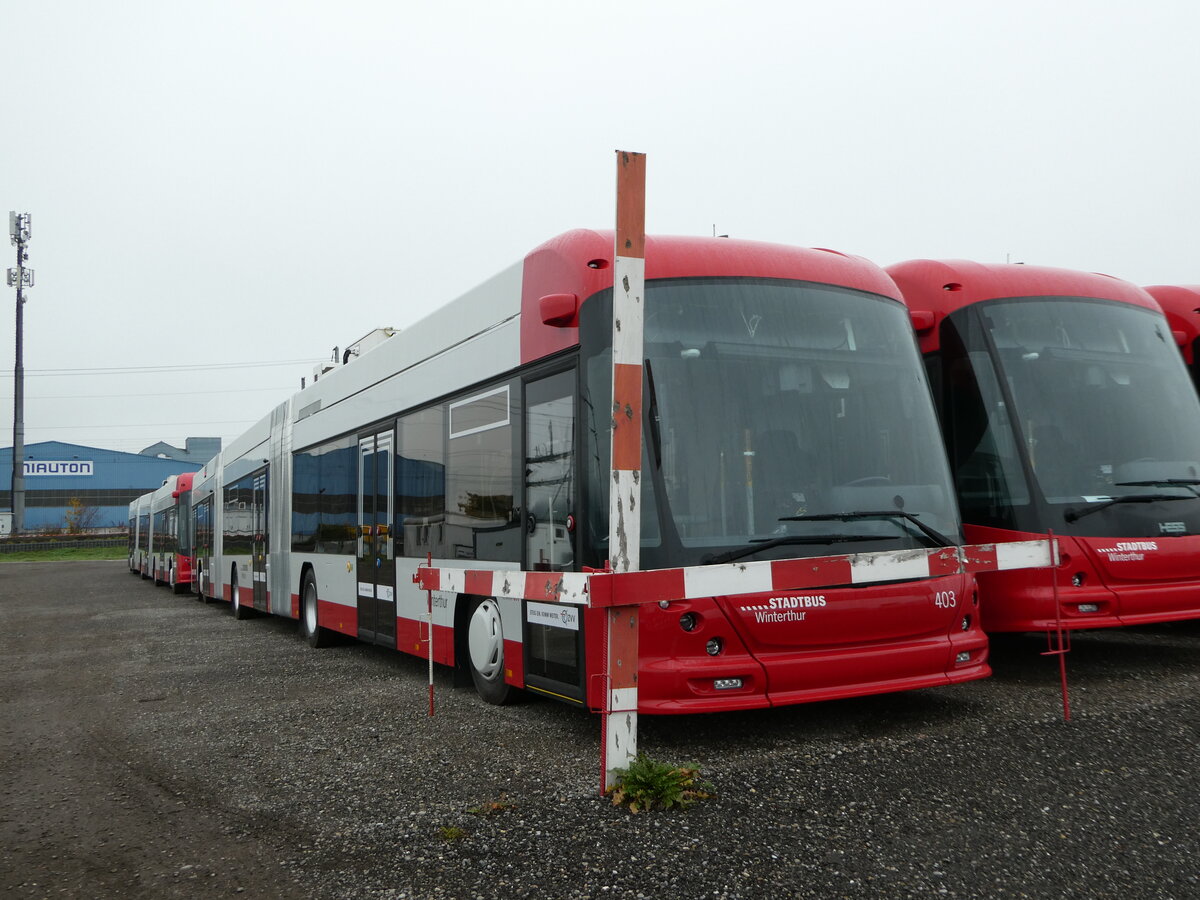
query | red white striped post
[429, 599]
[619, 719]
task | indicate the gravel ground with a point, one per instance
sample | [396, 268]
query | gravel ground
[152, 746]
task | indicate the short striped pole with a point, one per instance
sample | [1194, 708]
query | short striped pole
[619, 719]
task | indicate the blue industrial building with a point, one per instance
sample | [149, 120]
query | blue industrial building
[103, 481]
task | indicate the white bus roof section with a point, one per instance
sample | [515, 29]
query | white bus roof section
[471, 338]
[248, 451]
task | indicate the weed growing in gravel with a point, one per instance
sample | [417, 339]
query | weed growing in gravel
[647, 783]
[492, 806]
[452, 833]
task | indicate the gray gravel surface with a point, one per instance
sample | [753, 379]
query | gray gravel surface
[152, 746]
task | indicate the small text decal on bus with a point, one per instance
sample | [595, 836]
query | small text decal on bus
[1128, 551]
[553, 615]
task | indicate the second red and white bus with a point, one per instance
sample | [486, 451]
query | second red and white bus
[170, 553]
[1065, 408]
[787, 415]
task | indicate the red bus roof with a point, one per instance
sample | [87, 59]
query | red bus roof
[935, 288]
[580, 262]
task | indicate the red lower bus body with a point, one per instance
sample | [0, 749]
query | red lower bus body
[1102, 582]
[800, 655]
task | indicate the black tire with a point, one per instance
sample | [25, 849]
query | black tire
[485, 652]
[239, 611]
[200, 595]
[313, 633]
[154, 575]
[177, 587]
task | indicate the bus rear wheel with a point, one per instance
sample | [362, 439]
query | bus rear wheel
[485, 652]
[309, 627]
[239, 611]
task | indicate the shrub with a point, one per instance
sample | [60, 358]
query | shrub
[646, 783]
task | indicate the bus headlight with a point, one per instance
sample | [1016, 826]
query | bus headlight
[714, 646]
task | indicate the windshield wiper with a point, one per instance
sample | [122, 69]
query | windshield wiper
[1074, 515]
[1165, 482]
[767, 543]
[933, 534]
[652, 413]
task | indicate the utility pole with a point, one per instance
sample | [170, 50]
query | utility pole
[21, 278]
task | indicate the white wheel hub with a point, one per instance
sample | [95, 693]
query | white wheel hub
[485, 640]
[310, 609]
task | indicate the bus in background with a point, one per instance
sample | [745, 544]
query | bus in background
[1066, 408]
[1181, 305]
[139, 534]
[171, 523]
[206, 524]
[787, 415]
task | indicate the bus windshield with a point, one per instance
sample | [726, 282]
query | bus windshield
[774, 411]
[1108, 376]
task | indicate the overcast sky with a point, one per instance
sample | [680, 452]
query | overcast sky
[242, 182]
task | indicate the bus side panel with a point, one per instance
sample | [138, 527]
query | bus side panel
[337, 603]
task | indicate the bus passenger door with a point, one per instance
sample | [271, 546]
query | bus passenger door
[376, 548]
[258, 550]
[553, 632]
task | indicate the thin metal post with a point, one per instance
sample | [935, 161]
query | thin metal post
[1062, 644]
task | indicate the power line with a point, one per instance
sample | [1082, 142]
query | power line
[143, 425]
[163, 394]
[135, 370]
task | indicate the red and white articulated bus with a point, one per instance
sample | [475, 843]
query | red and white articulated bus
[1065, 408]
[139, 535]
[205, 514]
[171, 553]
[787, 415]
[1181, 305]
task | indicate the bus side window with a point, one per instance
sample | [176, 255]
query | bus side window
[421, 484]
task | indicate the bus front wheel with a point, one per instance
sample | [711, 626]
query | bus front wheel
[485, 652]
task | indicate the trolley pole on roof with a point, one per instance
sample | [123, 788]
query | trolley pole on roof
[20, 277]
[625, 493]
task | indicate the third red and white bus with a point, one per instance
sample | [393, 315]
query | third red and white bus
[1065, 408]
[139, 535]
[1181, 305]
[787, 415]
